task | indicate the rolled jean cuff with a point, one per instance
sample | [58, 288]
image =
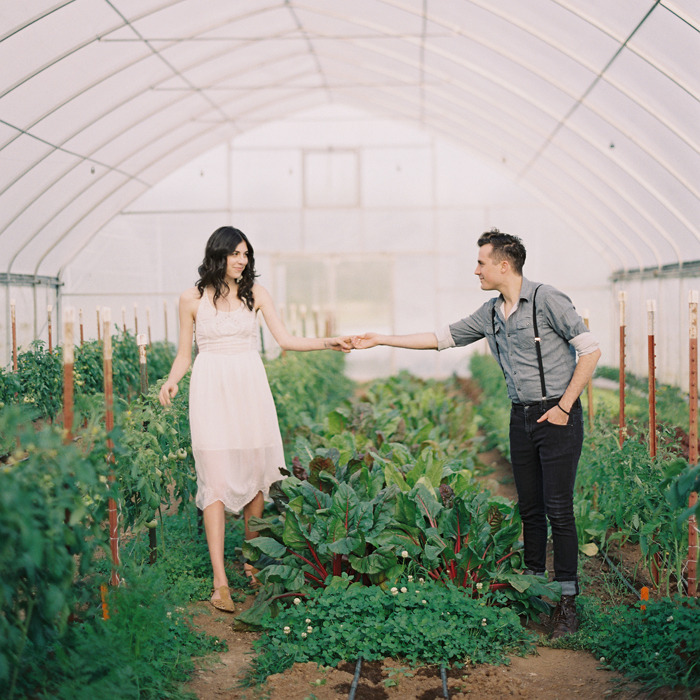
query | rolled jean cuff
[569, 587]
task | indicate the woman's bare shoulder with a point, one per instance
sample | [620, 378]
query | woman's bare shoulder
[260, 294]
[190, 297]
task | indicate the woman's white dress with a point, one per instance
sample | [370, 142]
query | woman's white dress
[236, 439]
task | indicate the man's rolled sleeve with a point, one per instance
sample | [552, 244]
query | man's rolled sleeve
[444, 338]
[585, 343]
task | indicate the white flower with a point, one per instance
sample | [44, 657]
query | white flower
[669, 618]
[421, 580]
[656, 653]
[394, 590]
[303, 635]
[447, 613]
[297, 601]
[479, 586]
[404, 554]
[287, 630]
[169, 614]
[404, 589]
[308, 621]
[424, 602]
[309, 629]
[483, 622]
[602, 659]
[410, 578]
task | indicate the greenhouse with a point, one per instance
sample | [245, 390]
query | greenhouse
[362, 148]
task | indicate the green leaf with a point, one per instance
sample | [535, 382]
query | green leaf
[378, 561]
[393, 476]
[336, 422]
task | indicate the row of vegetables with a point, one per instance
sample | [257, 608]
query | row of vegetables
[381, 493]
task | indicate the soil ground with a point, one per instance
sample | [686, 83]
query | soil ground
[549, 674]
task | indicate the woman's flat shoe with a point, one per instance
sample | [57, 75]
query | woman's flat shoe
[223, 602]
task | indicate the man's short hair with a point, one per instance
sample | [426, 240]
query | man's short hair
[505, 247]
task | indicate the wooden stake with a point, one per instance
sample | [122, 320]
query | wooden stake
[14, 334]
[82, 334]
[622, 298]
[49, 309]
[165, 319]
[303, 315]
[98, 325]
[316, 311]
[651, 324]
[143, 367]
[148, 326]
[693, 447]
[109, 425]
[136, 318]
[124, 319]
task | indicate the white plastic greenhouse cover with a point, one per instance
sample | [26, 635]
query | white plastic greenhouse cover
[591, 105]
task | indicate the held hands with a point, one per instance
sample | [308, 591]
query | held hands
[167, 392]
[340, 343]
[347, 343]
[365, 341]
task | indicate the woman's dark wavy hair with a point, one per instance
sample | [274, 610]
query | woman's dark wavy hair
[212, 271]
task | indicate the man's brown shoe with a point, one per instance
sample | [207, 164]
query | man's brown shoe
[564, 619]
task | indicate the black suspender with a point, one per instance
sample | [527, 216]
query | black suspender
[538, 340]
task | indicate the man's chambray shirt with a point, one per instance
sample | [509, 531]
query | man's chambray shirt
[557, 324]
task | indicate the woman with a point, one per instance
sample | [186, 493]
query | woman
[236, 440]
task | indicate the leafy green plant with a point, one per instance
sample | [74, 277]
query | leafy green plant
[305, 387]
[643, 516]
[143, 650]
[420, 622]
[659, 646]
[350, 519]
[38, 382]
[154, 466]
[52, 502]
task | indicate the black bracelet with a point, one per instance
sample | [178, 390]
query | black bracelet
[564, 411]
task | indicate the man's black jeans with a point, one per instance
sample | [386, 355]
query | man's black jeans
[544, 458]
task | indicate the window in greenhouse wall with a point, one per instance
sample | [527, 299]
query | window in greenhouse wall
[331, 179]
[357, 293]
[364, 296]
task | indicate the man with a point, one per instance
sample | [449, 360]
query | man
[535, 333]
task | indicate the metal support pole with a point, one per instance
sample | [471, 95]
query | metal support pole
[13, 321]
[651, 323]
[109, 425]
[693, 446]
[622, 298]
[49, 321]
[68, 362]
